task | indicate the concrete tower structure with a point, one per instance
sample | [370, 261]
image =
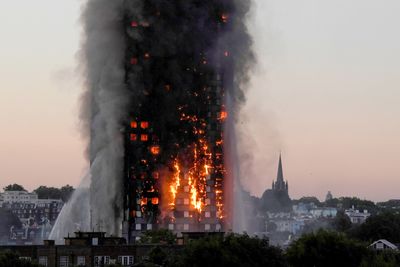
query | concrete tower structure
[174, 148]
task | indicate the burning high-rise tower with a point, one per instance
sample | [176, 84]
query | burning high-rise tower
[179, 68]
[164, 84]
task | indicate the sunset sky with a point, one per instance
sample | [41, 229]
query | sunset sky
[325, 92]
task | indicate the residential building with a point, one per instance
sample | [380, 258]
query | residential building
[383, 244]
[37, 216]
[357, 217]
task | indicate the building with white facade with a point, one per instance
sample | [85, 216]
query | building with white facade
[383, 244]
[37, 216]
[19, 197]
[357, 217]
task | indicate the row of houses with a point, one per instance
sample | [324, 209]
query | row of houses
[36, 216]
[305, 213]
[95, 249]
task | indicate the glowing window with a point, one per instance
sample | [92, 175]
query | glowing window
[208, 201]
[133, 137]
[155, 150]
[146, 55]
[207, 214]
[223, 115]
[154, 201]
[134, 24]
[144, 124]
[133, 124]
[156, 175]
[186, 201]
[224, 18]
[186, 188]
[138, 226]
[134, 61]
[144, 137]
[186, 214]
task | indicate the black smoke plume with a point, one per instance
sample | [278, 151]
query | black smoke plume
[155, 60]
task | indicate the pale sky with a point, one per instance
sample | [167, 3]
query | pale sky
[325, 92]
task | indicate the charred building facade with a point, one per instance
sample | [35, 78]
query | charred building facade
[178, 70]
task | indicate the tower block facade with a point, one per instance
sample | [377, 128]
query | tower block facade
[174, 147]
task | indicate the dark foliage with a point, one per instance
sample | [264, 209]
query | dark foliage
[14, 187]
[162, 236]
[275, 201]
[383, 226]
[233, 250]
[326, 249]
[63, 193]
[307, 200]
[342, 222]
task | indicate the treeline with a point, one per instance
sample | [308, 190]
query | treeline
[322, 248]
[45, 192]
[348, 247]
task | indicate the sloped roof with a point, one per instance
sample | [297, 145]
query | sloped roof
[385, 242]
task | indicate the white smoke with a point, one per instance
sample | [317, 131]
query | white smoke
[103, 109]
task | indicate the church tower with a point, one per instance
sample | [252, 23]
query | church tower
[280, 185]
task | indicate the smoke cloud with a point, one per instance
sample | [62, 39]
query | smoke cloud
[188, 49]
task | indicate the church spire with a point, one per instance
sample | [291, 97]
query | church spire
[279, 177]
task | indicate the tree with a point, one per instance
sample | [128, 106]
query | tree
[161, 236]
[391, 205]
[307, 200]
[14, 187]
[233, 251]
[45, 192]
[349, 202]
[383, 226]
[334, 202]
[342, 222]
[381, 259]
[275, 201]
[326, 249]
[66, 192]
[158, 256]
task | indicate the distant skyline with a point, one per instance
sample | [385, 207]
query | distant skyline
[325, 93]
